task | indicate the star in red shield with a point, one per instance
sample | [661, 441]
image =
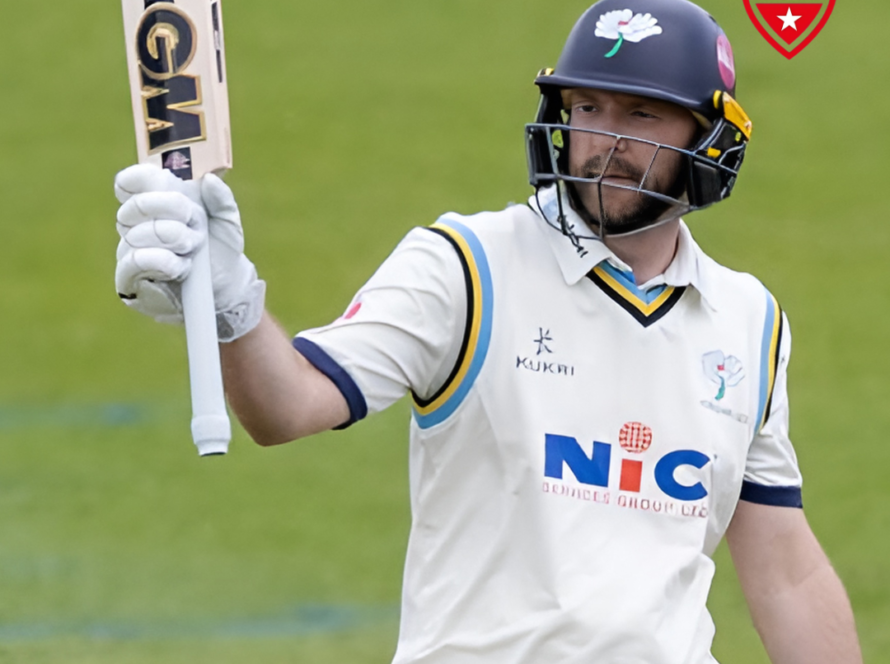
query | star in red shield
[794, 23]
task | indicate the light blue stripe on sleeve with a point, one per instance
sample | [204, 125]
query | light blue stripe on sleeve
[768, 326]
[485, 307]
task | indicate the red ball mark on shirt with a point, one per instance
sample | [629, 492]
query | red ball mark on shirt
[352, 311]
[635, 437]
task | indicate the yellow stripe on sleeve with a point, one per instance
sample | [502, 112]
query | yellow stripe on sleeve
[476, 318]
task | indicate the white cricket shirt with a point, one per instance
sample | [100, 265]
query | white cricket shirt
[578, 444]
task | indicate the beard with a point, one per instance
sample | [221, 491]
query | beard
[642, 211]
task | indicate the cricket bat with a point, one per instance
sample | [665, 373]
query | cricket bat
[178, 84]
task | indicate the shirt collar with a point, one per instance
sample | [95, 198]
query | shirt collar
[575, 261]
[689, 267]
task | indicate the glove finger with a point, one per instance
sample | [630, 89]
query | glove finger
[150, 206]
[141, 264]
[143, 178]
[162, 234]
[221, 207]
[161, 301]
[219, 199]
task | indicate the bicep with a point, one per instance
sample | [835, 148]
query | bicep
[276, 392]
[402, 331]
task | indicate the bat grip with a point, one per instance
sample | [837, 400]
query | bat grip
[211, 429]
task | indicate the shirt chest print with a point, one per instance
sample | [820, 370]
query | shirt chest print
[541, 356]
[724, 372]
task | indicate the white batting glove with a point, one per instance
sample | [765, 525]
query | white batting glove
[162, 222]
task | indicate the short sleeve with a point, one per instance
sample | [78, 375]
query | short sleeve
[772, 476]
[401, 332]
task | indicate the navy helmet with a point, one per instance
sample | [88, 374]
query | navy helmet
[670, 50]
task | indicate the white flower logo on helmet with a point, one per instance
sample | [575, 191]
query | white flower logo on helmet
[623, 24]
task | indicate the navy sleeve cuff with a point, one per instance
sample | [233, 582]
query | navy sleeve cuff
[778, 496]
[358, 408]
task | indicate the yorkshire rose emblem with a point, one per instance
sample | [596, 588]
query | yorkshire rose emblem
[623, 24]
[725, 371]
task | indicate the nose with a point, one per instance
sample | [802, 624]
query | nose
[606, 122]
[598, 144]
[602, 133]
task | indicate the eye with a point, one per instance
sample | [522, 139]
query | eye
[644, 114]
[585, 108]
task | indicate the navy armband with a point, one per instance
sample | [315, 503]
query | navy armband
[777, 496]
[318, 358]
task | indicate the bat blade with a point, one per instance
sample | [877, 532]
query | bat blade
[176, 64]
[178, 85]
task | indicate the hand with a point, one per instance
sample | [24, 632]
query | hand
[162, 222]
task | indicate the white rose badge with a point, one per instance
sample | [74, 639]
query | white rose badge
[623, 24]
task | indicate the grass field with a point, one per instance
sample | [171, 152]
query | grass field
[353, 122]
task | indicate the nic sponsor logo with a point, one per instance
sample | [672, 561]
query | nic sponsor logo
[673, 473]
[540, 362]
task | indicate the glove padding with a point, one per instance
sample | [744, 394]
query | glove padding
[162, 222]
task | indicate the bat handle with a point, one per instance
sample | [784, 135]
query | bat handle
[211, 429]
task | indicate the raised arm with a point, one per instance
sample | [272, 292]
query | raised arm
[797, 602]
[403, 331]
[276, 393]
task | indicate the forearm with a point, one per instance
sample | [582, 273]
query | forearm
[276, 393]
[797, 602]
[811, 623]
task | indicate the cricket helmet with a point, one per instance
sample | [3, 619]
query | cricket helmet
[671, 50]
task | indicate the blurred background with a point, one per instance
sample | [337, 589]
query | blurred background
[355, 120]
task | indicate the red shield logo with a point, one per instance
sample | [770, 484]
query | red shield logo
[789, 27]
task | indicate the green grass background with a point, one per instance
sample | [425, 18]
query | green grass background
[354, 121]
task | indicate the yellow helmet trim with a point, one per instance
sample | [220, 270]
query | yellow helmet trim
[733, 113]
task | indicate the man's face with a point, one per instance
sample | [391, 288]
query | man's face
[589, 154]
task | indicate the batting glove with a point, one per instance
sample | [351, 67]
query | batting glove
[162, 222]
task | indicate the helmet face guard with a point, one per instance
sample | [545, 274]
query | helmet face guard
[708, 170]
[670, 50]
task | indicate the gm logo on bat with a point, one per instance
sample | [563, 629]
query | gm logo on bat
[635, 438]
[166, 42]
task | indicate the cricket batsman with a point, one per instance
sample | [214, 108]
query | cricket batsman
[597, 403]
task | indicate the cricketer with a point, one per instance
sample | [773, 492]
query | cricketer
[596, 402]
